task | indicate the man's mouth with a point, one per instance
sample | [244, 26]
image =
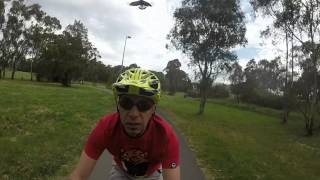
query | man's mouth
[133, 125]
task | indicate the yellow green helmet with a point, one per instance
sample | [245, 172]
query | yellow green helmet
[139, 82]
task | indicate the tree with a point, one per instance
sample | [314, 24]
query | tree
[115, 70]
[236, 78]
[262, 83]
[176, 79]
[251, 81]
[219, 91]
[96, 71]
[15, 43]
[183, 81]
[67, 55]
[304, 15]
[2, 21]
[39, 35]
[268, 74]
[172, 69]
[205, 30]
[285, 14]
[303, 90]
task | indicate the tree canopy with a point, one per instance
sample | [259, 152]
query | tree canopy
[205, 30]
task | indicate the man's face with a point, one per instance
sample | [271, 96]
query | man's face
[135, 113]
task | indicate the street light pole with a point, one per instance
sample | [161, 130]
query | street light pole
[124, 49]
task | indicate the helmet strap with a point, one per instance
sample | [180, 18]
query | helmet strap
[116, 101]
[155, 109]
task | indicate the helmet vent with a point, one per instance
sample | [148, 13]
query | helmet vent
[154, 84]
[122, 89]
[119, 79]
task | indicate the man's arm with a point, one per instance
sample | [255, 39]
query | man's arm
[84, 168]
[171, 174]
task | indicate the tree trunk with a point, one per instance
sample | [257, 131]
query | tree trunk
[172, 88]
[287, 105]
[31, 77]
[203, 100]
[66, 81]
[13, 73]
[292, 60]
[203, 95]
[0, 72]
[38, 77]
[286, 99]
[286, 113]
[314, 93]
[314, 58]
[286, 109]
[13, 69]
[309, 126]
[4, 72]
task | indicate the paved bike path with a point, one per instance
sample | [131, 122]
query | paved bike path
[188, 164]
[189, 168]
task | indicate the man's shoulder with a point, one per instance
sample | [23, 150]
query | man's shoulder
[109, 121]
[163, 124]
[164, 129]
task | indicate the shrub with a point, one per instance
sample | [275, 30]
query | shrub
[219, 91]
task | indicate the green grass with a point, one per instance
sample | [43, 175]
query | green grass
[44, 127]
[230, 102]
[231, 143]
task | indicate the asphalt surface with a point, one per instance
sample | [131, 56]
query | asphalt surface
[188, 166]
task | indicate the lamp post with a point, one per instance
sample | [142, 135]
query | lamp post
[124, 49]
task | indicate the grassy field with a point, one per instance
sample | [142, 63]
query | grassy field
[44, 127]
[231, 143]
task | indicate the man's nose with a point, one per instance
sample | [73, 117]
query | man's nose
[134, 112]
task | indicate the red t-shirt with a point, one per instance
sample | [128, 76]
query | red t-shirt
[141, 156]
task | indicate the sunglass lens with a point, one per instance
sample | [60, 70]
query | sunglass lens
[126, 103]
[144, 105]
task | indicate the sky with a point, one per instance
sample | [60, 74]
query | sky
[110, 21]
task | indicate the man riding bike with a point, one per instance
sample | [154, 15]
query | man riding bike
[143, 144]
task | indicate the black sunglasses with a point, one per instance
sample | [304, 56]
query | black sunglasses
[142, 105]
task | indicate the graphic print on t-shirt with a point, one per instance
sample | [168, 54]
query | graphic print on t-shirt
[134, 161]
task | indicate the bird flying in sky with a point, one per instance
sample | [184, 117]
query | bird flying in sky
[141, 4]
